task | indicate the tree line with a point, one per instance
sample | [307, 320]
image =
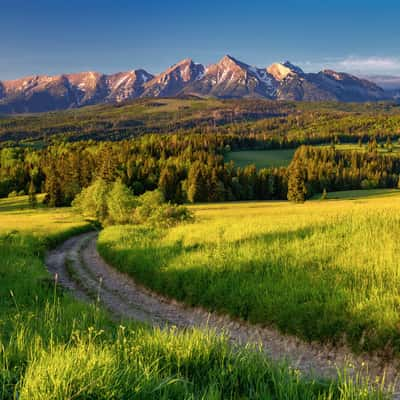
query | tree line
[190, 168]
[325, 169]
[184, 167]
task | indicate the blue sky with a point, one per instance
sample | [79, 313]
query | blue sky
[50, 37]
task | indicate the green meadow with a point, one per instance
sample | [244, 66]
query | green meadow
[358, 194]
[323, 270]
[261, 158]
[381, 149]
[54, 347]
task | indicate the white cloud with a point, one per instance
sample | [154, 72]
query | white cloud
[371, 64]
[357, 65]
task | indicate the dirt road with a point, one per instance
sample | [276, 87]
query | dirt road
[80, 269]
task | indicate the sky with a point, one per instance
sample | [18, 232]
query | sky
[60, 36]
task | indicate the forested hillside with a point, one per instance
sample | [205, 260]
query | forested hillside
[292, 122]
[181, 147]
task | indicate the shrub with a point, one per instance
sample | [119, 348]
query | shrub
[115, 204]
[120, 204]
[369, 184]
[168, 215]
[147, 204]
[153, 210]
[92, 201]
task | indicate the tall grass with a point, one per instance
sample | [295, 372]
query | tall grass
[53, 347]
[322, 271]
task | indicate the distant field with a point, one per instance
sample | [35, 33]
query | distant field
[283, 157]
[319, 270]
[364, 147]
[261, 158]
[17, 216]
[355, 194]
[19, 203]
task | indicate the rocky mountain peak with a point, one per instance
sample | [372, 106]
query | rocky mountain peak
[293, 68]
[281, 71]
[229, 62]
[228, 78]
[185, 70]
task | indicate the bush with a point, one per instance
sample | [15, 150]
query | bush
[14, 193]
[115, 204]
[147, 204]
[107, 203]
[168, 215]
[92, 201]
[153, 210]
[120, 204]
[369, 184]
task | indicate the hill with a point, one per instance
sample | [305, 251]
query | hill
[239, 116]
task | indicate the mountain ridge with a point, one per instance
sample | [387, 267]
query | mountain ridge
[228, 78]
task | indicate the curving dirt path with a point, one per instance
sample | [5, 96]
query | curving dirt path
[80, 269]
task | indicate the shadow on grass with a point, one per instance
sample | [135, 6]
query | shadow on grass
[306, 300]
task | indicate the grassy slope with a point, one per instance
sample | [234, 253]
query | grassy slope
[53, 347]
[320, 270]
[261, 158]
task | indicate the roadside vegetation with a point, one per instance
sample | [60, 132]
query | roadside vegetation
[54, 347]
[323, 271]
[113, 203]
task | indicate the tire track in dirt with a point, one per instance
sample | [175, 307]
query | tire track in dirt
[80, 269]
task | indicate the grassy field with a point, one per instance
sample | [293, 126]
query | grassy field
[18, 218]
[53, 347]
[358, 194]
[364, 147]
[320, 270]
[283, 157]
[261, 158]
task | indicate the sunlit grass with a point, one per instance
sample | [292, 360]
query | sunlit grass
[364, 147]
[54, 347]
[16, 215]
[319, 270]
[356, 194]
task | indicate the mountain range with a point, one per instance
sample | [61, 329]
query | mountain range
[229, 78]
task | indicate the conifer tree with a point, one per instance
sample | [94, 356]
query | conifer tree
[169, 184]
[196, 186]
[296, 185]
